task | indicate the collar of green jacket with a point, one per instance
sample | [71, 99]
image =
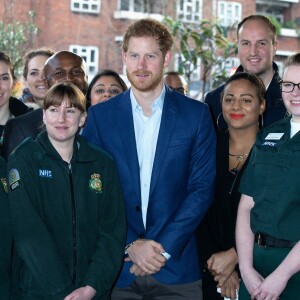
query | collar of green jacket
[82, 150]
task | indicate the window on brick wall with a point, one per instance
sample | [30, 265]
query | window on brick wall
[132, 5]
[189, 10]
[138, 9]
[141, 6]
[229, 13]
[90, 54]
[86, 6]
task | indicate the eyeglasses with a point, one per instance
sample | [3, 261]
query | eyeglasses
[288, 87]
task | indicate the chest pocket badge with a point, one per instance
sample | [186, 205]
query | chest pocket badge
[95, 183]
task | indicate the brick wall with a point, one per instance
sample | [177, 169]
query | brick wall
[59, 27]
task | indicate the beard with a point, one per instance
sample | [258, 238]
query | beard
[149, 84]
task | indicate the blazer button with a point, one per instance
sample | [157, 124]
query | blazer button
[141, 236]
[138, 208]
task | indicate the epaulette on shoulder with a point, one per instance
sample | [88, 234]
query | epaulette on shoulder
[23, 144]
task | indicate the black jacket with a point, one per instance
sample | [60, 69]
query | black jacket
[275, 109]
[216, 233]
[17, 107]
[20, 128]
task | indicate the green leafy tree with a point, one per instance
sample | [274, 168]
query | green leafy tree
[16, 38]
[206, 41]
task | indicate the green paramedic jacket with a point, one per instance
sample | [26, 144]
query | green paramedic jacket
[272, 179]
[5, 235]
[69, 222]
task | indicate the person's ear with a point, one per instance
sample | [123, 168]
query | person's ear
[82, 119]
[168, 58]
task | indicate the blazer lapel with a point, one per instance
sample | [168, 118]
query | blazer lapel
[126, 130]
[167, 125]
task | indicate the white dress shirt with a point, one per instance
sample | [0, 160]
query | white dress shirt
[146, 130]
[295, 127]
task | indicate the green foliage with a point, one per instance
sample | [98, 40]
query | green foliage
[15, 39]
[205, 41]
[276, 23]
[290, 25]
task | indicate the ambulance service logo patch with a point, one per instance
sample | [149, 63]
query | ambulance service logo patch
[95, 183]
[13, 179]
[4, 183]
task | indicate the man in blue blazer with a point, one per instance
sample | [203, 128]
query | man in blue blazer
[164, 146]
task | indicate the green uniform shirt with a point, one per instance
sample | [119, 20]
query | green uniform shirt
[5, 235]
[272, 178]
[68, 219]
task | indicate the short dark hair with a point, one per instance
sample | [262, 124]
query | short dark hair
[262, 18]
[149, 28]
[33, 53]
[106, 72]
[62, 91]
[173, 73]
[255, 80]
[6, 59]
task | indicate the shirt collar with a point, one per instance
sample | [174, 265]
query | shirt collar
[157, 103]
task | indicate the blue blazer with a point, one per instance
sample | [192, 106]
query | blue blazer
[182, 181]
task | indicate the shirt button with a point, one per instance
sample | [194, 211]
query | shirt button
[138, 208]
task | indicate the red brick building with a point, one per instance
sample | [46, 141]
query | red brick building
[94, 28]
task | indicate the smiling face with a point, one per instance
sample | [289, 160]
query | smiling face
[66, 66]
[62, 122]
[6, 84]
[256, 48]
[145, 63]
[35, 80]
[291, 100]
[104, 88]
[240, 104]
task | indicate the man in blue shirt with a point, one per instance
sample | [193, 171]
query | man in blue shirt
[164, 147]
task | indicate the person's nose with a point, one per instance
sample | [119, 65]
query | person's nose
[141, 63]
[236, 105]
[107, 94]
[41, 77]
[253, 49]
[296, 90]
[61, 116]
[69, 77]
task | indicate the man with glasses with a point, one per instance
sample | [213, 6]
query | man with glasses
[257, 45]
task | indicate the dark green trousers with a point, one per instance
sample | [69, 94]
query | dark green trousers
[265, 261]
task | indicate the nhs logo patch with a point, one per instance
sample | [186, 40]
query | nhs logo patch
[45, 173]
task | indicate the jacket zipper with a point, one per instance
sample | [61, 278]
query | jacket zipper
[74, 237]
